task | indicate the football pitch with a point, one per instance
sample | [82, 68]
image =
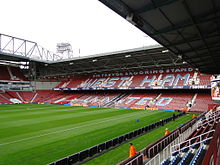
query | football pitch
[32, 134]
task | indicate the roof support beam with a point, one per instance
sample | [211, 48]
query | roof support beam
[213, 45]
[198, 30]
[204, 55]
[215, 12]
[150, 7]
[192, 39]
[172, 25]
[122, 9]
[185, 24]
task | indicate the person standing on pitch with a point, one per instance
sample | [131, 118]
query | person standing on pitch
[132, 150]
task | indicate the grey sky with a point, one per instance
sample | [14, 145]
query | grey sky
[87, 25]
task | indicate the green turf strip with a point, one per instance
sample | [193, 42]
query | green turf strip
[120, 153]
[38, 134]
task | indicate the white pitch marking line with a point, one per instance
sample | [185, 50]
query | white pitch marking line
[60, 131]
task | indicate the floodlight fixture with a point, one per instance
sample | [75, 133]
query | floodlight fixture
[165, 51]
[127, 55]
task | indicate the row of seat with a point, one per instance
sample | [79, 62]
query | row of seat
[11, 73]
[192, 156]
[195, 135]
[193, 150]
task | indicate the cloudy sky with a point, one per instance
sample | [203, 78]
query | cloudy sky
[87, 25]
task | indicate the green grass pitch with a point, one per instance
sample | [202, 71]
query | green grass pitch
[32, 134]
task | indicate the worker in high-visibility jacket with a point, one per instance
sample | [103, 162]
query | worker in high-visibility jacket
[132, 150]
[166, 132]
[193, 116]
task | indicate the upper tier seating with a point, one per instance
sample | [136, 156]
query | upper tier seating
[4, 75]
[11, 73]
[17, 74]
[141, 80]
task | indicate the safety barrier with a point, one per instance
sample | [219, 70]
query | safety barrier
[184, 131]
[191, 142]
[137, 160]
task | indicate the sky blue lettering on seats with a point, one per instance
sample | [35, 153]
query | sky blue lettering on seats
[94, 99]
[123, 79]
[105, 99]
[179, 77]
[88, 83]
[111, 82]
[98, 83]
[168, 79]
[164, 101]
[144, 100]
[130, 99]
[88, 99]
[146, 80]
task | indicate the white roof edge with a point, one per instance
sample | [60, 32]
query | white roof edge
[109, 53]
[87, 56]
[23, 57]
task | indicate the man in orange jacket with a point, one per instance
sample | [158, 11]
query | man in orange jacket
[166, 132]
[132, 150]
[193, 116]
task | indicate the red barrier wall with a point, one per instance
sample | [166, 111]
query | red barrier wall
[212, 155]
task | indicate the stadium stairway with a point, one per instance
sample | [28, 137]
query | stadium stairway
[33, 98]
[116, 99]
[19, 96]
[4, 99]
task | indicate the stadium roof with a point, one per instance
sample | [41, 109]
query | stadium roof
[17, 49]
[13, 57]
[188, 28]
[127, 60]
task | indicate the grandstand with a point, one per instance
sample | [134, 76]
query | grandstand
[161, 85]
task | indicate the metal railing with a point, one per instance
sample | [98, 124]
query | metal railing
[166, 152]
[189, 142]
[136, 160]
[210, 119]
